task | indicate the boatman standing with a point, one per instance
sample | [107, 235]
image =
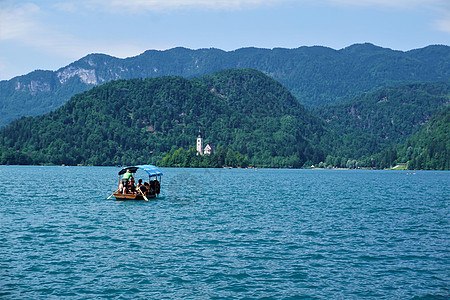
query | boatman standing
[126, 177]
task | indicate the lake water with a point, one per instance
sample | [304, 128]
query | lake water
[219, 233]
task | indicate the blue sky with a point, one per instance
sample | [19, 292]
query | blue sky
[47, 35]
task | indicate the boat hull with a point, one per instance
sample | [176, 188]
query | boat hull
[131, 196]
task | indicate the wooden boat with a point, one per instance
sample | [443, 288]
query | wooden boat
[154, 180]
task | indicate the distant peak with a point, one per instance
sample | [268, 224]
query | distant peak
[366, 48]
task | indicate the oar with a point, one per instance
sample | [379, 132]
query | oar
[145, 198]
[111, 195]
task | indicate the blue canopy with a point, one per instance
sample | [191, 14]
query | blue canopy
[151, 170]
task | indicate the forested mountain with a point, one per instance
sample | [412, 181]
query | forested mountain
[373, 122]
[427, 149]
[430, 147]
[35, 94]
[250, 118]
[316, 76]
[245, 114]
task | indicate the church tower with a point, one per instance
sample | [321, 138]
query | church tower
[199, 143]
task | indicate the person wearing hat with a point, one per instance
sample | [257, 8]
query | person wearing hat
[126, 177]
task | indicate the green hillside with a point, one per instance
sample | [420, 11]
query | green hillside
[372, 122]
[142, 120]
[430, 147]
[427, 149]
[251, 120]
[316, 76]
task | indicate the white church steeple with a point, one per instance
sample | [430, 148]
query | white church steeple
[199, 143]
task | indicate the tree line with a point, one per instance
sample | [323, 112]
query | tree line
[242, 112]
[251, 119]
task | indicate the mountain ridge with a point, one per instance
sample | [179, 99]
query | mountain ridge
[373, 123]
[137, 120]
[251, 118]
[316, 75]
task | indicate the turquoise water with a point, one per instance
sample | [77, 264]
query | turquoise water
[219, 233]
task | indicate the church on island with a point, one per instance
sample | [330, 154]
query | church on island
[208, 148]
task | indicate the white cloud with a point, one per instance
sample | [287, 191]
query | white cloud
[70, 7]
[165, 5]
[21, 23]
[443, 24]
[390, 3]
[17, 21]
[25, 24]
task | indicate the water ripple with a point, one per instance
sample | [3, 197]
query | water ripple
[281, 234]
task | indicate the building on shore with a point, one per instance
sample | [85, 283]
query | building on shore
[199, 143]
[208, 149]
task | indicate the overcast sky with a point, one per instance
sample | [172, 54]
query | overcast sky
[48, 35]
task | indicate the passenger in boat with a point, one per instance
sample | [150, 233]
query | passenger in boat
[139, 186]
[125, 181]
[132, 186]
[143, 189]
[157, 187]
[150, 190]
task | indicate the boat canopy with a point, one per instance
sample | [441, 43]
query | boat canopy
[151, 170]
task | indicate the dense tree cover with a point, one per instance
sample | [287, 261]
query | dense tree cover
[252, 120]
[373, 122]
[249, 117]
[428, 149]
[316, 76]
